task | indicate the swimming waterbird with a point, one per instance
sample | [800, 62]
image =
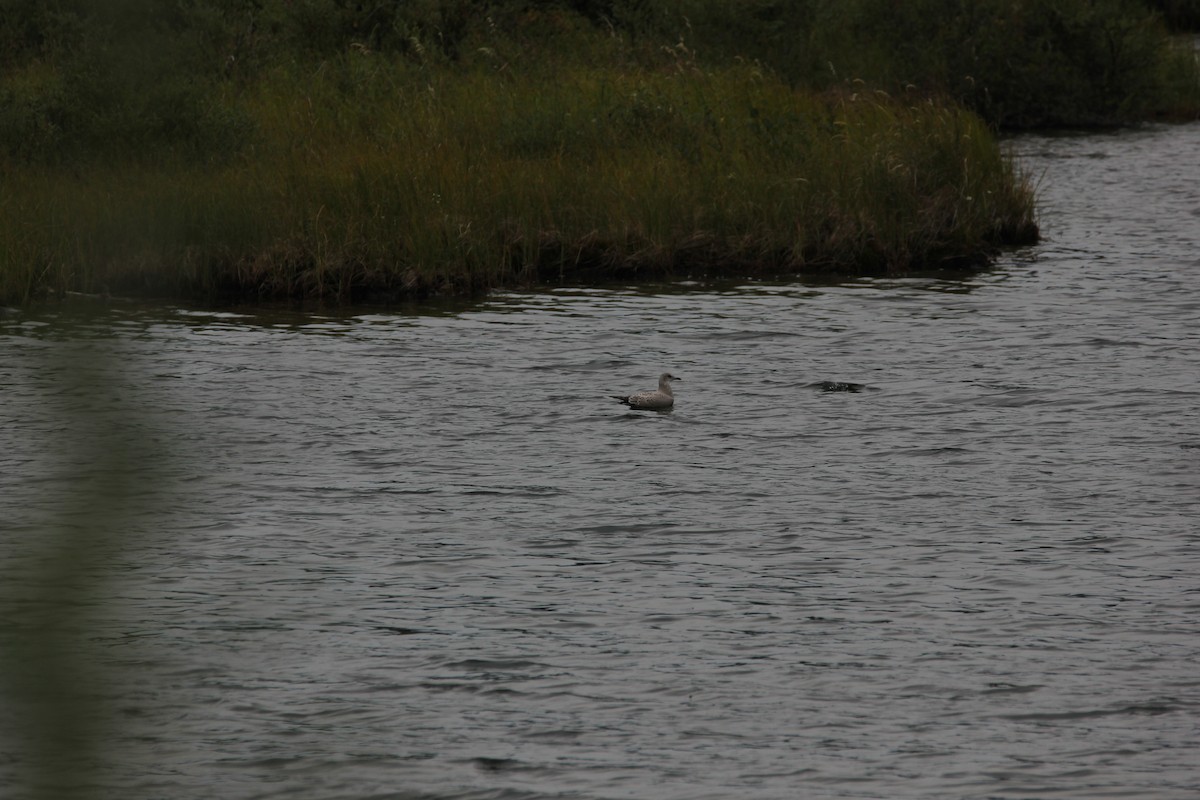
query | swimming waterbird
[655, 400]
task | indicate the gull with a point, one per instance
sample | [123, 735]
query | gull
[656, 400]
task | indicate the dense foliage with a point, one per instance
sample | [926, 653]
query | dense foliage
[1179, 14]
[125, 76]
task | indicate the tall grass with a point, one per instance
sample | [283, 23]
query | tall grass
[79, 78]
[369, 175]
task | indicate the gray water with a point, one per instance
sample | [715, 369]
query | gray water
[422, 554]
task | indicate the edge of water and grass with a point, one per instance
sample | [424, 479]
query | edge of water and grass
[223, 151]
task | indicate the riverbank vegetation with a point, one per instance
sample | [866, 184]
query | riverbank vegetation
[325, 148]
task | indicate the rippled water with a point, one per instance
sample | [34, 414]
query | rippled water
[422, 554]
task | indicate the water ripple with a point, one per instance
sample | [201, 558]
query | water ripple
[915, 538]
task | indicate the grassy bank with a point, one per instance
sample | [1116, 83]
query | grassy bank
[366, 178]
[345, 150]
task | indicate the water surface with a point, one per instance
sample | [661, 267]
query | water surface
[421, 553]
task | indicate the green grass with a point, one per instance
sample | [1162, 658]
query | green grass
[325, 148]
[372, 176]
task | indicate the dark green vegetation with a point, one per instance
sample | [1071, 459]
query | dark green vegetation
[1179, 14]
[1019, 63]
[292, 148]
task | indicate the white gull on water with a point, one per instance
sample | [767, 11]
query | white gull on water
[654, 400]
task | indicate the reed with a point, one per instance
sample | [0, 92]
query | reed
[370, 176]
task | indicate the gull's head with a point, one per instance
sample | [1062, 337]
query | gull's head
[666, 377]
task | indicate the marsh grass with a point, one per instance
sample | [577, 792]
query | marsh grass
[371, 176]
[335, 150]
